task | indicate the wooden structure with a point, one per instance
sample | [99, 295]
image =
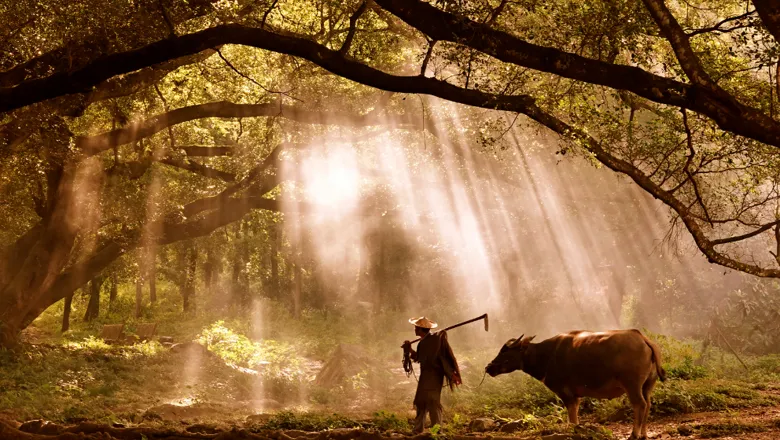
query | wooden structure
[112, 333]
[146, 331]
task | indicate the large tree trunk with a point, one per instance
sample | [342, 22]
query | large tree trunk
[43, 266]
[93, 307]
[32, 265]
[66, 313]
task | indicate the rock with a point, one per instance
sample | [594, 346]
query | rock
[513, 426]
[190, 348]
[181, 413]
[258, 419]
[202, 428]
[41, 427]
[32, 426]
[684, 430]
[165, 340]
[483, 424]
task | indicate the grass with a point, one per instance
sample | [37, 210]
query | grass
[724, 429]
[79, 377]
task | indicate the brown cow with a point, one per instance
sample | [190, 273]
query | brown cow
[578, 364]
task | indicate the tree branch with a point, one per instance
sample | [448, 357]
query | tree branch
[717, 26]
[427, 58]
[687, 170]
[91, 145]
[206, 150]
[729, 114]
[352, 23]
[197, 168]
[769, 11]
[750, 234]
[672, 31]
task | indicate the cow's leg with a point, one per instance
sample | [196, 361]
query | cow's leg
[573, 407]
[638, 402]
[647, 391]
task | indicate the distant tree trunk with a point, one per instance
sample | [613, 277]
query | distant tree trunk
[153, 282]
[139, 296]
[209, 268]
[188, 292]
[380, 274]
[297, 282]
[66, 313]
[276, 240]
[93, 307]
[316, 288]
[239, 288]
[114, 289]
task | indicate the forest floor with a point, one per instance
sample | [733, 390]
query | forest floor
[222, 384]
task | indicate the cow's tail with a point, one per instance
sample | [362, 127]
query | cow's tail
[656, 357]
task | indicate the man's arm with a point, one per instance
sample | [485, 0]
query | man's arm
[412, 353]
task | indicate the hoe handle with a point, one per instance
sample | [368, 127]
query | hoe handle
[485, 317]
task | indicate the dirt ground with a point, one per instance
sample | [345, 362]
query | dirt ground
[711, 425]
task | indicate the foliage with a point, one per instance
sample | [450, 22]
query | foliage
[388, 421]
[308, 421]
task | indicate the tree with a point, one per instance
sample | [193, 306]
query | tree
[682, 106]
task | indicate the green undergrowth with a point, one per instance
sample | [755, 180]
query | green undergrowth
[273, 358]
[720, 429]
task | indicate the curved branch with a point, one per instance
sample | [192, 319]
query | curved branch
[206, 150]
[717, 26]
[198, 168]
[91, 145]
[727, 112]
[673, 33]
[737, 238]
[352, 27]
[769, 11]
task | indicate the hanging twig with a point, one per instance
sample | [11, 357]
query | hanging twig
[427, 58]
[734, 352]
[352, 27]
[248, 78]
[167, 18]
[686, 168]
[265, 16]
[170, 127]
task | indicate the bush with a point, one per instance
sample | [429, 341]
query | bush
[387, 421]
[308, 421]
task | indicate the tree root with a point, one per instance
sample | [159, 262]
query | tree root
[39, 430]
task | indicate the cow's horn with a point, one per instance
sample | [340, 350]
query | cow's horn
[518, 340]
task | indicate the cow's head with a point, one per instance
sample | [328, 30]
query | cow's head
[510, 358]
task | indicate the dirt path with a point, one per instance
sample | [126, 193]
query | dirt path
[754, 424]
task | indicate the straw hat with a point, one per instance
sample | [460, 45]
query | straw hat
[423, 322]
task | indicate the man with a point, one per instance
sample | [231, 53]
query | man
[437, 362]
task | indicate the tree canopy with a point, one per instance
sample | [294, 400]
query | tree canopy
[143, 123]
